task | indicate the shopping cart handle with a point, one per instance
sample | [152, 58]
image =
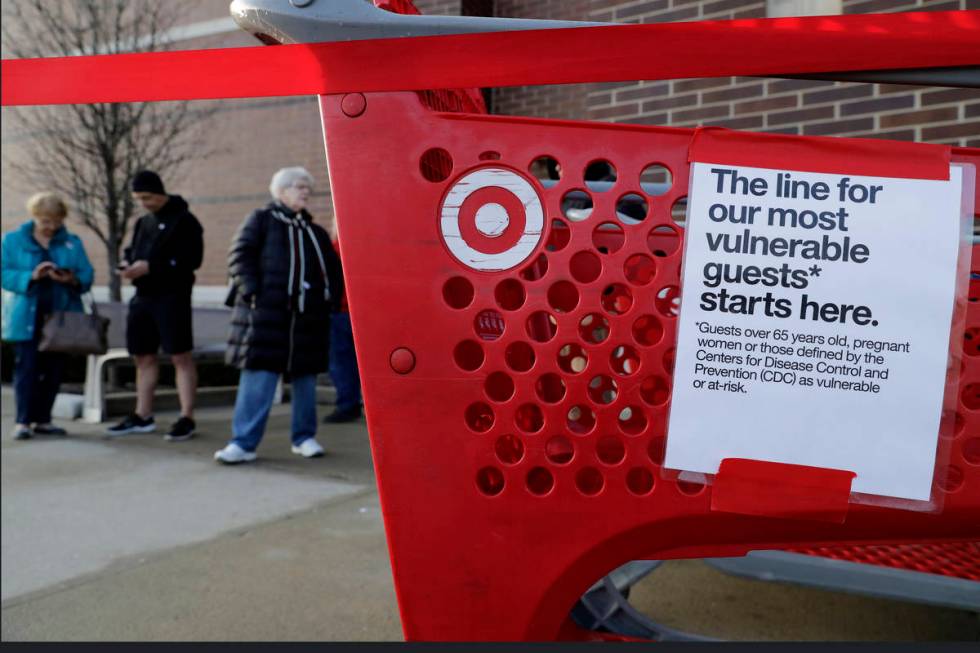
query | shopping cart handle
[320, 21]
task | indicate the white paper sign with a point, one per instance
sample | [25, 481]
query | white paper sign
[815, 323]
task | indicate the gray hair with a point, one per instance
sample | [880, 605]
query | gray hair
[286, 177]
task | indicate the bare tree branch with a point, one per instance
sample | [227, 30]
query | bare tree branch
[91, 152]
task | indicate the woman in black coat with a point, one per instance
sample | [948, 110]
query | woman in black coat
[286, 281]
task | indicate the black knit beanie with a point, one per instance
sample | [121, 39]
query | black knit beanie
[147, 181]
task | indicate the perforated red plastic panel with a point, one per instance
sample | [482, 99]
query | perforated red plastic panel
[517, 416]
[954, 559]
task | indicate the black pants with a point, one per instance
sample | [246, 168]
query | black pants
[37, 377]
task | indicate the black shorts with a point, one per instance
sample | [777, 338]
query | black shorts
[159, 322]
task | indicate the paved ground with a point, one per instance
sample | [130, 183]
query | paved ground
[139, 539]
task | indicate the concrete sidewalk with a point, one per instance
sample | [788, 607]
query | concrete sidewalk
[141, 539]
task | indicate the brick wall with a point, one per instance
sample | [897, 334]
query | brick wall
[949, 116]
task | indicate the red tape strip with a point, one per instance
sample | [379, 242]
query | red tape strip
[853, 156]
[767, 489]
[784, 46]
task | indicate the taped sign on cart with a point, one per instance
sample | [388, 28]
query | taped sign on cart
[819, 308]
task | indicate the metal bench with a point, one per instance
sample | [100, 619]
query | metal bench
[210, 336]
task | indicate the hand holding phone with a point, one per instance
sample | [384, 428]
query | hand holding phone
[42, 270]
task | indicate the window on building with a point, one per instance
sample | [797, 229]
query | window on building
[777, 8]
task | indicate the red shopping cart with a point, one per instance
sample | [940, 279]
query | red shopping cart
[517, 405]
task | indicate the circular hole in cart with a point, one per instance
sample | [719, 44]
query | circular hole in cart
[550, 388]
[559, 450]
[603, 389]
[536, 270]
[608, 238]
[655, 390]
[639, 481]
[546, 170]
[479, 417]
[600, 176]
[616, 299]
[585, 267]
[624, 360]
[632, 421]
[668, 301]
[539, 481]
[563, 297]
[647, 330]
[509, 294]
[457, 292]
[489, 324]
[436, 164]
[589, 481]
[971, 341]
[509, 449]
[499, 387]
[529, 418]
[690, 488]
[610, 450]
[971, 396]
[559, 236]
[468, 355]
[572, 358]
[519, 356]
[639, 269]
[580, 419]
[593, 328]
[678, 212]
[541, 326]
[490, 481]
[656, 180]
[971, 451]
[632, 208]
[663, 241]
[576, 205]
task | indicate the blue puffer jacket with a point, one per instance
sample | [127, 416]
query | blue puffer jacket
[20, 255]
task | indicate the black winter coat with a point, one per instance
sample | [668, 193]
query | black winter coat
[172, 242]
[276, 326]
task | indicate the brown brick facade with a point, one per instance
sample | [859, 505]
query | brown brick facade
[948, 116]
[254, 137]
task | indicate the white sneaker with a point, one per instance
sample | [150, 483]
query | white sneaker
[309, 448]
[233, 454]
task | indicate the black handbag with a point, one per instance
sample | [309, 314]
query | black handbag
[72, 332]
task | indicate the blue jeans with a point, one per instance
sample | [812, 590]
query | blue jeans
[343, 363]
[37, 377]
[256, 390]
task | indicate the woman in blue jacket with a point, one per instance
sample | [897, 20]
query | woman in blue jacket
[44, 269]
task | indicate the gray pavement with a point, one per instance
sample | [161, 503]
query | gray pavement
[139, 539]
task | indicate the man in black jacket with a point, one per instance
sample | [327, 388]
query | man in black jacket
[167, 247]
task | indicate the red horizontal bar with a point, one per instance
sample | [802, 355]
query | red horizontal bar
[783, 46]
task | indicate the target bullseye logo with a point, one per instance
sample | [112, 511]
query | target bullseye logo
[491, 219]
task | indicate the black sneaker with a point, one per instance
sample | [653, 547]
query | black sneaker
[183, 429]
[22, 433]
[49, 429]
[132, 424]
[342, 416]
